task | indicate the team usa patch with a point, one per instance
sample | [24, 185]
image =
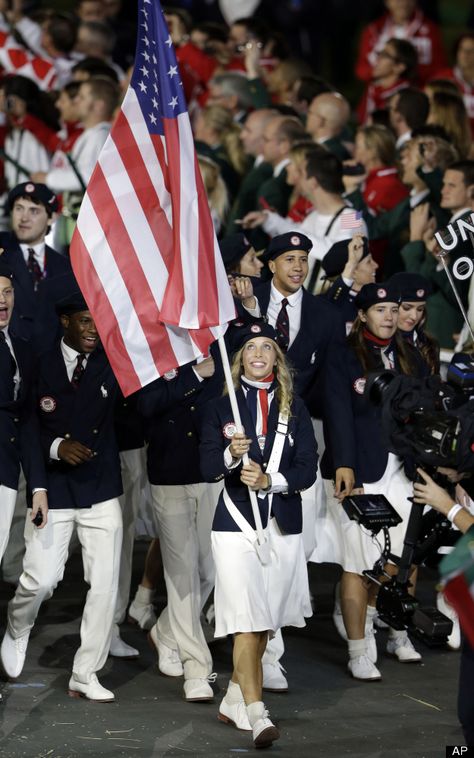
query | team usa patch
[381, 292]
[229, 430]
[255, 328]
[359, 385]
[420, 293]
[295, 240]
[30, 188]
[169, 375]
[48, 404]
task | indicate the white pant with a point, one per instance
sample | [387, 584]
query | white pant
[99, 530]
[133, 467]
[184, 515]
[7, 508]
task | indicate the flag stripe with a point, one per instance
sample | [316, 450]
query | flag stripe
[144, 250]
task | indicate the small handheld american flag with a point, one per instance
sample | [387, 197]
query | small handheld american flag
[351, 220]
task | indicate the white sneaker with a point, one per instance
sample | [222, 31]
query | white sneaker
[169, 662]
[363, 668]
[199, 690]
[235, 714]
[91, 690]
[454, 639]
[264, 731]
[141, 614]
[13, 653]
[337, 613]
[402, 648]
[120, 649]
[370, 643]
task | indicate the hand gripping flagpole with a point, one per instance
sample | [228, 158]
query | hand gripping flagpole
[442, 257]
[238, 423]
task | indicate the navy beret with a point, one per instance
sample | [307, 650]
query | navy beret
[414, 288]
[5, 270]
[377, 292]
[285, 243]
[234, 247]
[73, 303]
[337, 256]
[38, 193]
[239, 333]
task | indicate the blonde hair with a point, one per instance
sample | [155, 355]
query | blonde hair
[448, 110]
[220, 121]
[283, 375]
[216, 190]
[381, 140]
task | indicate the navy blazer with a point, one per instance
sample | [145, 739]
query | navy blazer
[173, 408]
[298, 463]
[19, 431]
[33, 317]
[85, 414]
[342, 298]
[364, 448]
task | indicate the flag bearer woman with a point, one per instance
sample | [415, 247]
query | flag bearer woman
[255, 595]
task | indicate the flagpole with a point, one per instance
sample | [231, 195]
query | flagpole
[238, 423]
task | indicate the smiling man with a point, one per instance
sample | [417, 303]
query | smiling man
[33, 210]
[75, 396]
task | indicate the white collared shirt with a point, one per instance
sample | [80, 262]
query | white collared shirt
[70, 361]
[280, 166]
[16, 378]
[274, 307]
[40, 255]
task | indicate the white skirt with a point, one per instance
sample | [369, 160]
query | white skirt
[250, 597]
[354, 547]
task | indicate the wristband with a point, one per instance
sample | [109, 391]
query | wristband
[269, 486]
[454, 512]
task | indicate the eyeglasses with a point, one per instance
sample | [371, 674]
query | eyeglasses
[385, 54]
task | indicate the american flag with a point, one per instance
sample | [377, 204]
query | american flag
[351, 220]
[144, 250]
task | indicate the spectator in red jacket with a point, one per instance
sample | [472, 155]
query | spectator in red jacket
[404, 21]
[462, 73]
[393, 71]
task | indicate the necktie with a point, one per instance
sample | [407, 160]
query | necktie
[34, 267]
[282, 326]
[79, 370]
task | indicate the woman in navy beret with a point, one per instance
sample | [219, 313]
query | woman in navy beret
[256, 594]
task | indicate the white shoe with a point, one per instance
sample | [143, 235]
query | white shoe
[169, 662]
[370, 643]
[274, 680]
[120, 649]
[379, 623]
[235, 714]
[337, 613]
[141, 614]
[199, 690]
[401, 646]
[13, 653]
[363, 668]
[91, 690]
[454, 639]
[264, 731]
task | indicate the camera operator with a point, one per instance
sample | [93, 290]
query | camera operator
[374, 344]
[441, 500]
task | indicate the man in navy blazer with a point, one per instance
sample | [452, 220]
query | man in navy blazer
[74, 397]
[33, 210]
[19, 434]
